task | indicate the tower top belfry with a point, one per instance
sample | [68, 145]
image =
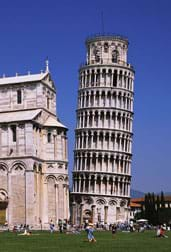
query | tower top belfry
[107, 49]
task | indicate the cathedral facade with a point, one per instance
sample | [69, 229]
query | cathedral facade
[34, 185]
[103, 135]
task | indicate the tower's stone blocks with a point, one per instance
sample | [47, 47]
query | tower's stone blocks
[103, 136]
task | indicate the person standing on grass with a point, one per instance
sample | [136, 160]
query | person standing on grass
[114, 228]
[90, 230]
[52, 226]
[87, 229]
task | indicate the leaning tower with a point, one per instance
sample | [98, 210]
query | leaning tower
[103, 135]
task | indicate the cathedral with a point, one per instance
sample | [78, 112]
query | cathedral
[34, 184]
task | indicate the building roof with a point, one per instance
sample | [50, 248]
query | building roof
[138, 200]
[133, 204]
[23, 78]
[24, 115]
[28, 115]
[141, 200]
[102, 37]
[51, 121]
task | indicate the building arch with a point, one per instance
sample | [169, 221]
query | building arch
[51, 197]
[87, 215]
[113, 202]
[18, 168]
[50, 177]
[101, 201]
[18, 192]
[3, 169]
[3, 195]
[60, 178]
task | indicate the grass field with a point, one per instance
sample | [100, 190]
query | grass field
[122, 242]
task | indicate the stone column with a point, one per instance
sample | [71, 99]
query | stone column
[124, 143]
[95, 78]
[122, 80]
[107, 183]
[10, 217]
[118, 192]
[105, 214]
[57, 200]
[81, 213]
[81, 160]
[73, 213]
[112, 79]
[101, 184]
[93, 213]
[64, 201]
[45, 205]
[100, 100]
[79, 183]
[84, 183]
[93, 119]
[77, 162]
[100, 77]
[89, 180]
[37, 196]
[85, 80]
[121, 101]
[114, 186]
[116, 100]
[30, 198]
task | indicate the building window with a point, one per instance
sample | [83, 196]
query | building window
[115, 56]
[14, 135]
[19, 96]
[48, 102]
[106, 46]
[49, 137]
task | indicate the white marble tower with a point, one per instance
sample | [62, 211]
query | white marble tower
[103, 135]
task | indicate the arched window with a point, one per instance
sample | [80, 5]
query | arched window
[14, 135]
[97, 54]
[115, 78]
[48, 102]
[19, 96]
[49, 136]
[106, 46]
[115, 55]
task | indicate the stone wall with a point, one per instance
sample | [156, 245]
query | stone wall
[33, 95]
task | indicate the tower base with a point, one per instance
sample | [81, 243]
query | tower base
[99, 210]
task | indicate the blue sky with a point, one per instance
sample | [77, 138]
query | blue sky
[32, 30]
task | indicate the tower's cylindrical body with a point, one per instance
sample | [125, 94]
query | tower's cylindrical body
[103, 135]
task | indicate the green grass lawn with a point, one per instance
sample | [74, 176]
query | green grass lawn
[122, 242]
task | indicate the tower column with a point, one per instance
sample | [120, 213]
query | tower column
[105, 214]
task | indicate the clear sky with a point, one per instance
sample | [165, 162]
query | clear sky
[32, 30]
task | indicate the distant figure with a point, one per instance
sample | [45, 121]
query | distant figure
[52, 226]
[90, 230]
[161, 231]
[131, 225]
[60, 226]
[6, 223]
[114, 229]
[26, 233]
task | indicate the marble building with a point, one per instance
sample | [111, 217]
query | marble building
[103, 135]
[34, 185]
